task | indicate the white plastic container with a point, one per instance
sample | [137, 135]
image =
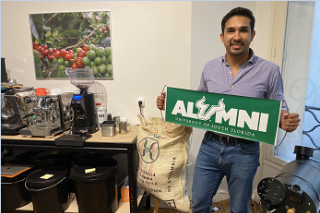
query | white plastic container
[102, 115]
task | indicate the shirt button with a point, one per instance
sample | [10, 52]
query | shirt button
[232, 86]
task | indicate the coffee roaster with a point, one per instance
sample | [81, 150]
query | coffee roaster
[296, 188]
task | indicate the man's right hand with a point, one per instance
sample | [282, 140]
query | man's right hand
[160, 101]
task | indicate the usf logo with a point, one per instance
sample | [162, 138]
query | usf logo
[149, 150]
[234, 117]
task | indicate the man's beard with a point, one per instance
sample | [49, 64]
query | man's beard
[236, 53]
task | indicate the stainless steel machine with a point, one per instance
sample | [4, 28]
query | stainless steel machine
[48, 115]
[11, 121]
[12, 112]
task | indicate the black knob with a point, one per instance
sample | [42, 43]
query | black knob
[303, 153]
[27, 99]
[49, 100]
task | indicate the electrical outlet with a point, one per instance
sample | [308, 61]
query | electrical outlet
[142, 103]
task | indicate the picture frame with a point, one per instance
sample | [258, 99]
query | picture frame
[71, 40]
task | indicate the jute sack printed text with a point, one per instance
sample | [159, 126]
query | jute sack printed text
[163, 152]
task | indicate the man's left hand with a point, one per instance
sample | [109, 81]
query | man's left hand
[289, 121]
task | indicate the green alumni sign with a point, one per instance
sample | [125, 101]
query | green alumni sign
[243, 117]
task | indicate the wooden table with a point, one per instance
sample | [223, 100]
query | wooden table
[118, 144]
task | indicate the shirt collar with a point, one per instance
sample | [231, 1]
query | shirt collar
[252, 59]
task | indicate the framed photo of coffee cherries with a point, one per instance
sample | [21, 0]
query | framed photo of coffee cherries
[71, 40]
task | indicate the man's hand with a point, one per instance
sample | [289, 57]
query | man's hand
[160, 101]
[289, 121]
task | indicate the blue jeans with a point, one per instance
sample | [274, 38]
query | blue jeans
[215, 160]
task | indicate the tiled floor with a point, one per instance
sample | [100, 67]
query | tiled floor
[224, 207]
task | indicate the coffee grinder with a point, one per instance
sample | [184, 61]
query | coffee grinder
[83, 104]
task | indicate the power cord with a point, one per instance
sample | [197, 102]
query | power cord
[140, 104]
[160, 109]
[286, 130]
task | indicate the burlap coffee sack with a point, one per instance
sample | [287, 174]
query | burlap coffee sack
[163, 152]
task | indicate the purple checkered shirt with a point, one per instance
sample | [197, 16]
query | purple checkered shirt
[256, 78]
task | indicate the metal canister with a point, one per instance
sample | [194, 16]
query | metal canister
[108, 129]
[117, 120]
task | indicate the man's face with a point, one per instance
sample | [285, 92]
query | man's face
[237, 35]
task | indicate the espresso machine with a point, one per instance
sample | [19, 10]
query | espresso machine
[48, 114]
[12, 113]
[83, 104]
[11, 121]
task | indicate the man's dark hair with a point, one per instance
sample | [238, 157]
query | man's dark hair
[238, 11]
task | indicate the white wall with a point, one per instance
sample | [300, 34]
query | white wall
[206, 45]
[151, 43]
[154, 44]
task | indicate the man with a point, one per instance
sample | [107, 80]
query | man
[238, 72]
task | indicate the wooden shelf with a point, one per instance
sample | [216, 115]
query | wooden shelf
[125, 144]
[124, 207]
[95, 137]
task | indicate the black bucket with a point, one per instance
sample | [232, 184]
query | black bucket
[18, 156]
[14, 193]
[91, 159]
[52, 158]
[50, 190]
[95, 187]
